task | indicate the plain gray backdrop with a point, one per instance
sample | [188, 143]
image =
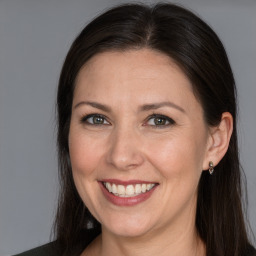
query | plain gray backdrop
[35, 36]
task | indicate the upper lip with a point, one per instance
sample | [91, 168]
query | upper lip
[127, 182]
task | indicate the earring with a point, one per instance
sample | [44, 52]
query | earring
[211, 167]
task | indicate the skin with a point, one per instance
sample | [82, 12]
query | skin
[129, 146]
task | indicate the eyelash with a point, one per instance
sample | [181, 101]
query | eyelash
[84, 120]
[159, 116]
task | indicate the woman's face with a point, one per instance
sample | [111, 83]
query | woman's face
[138, 142]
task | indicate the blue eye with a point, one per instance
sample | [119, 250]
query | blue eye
[95, 119]
[159, 120]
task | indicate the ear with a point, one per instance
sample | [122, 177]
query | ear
[218, 140]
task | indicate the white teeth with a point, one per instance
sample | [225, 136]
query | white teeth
[129, 190]
[120, 189]
[137, 188]
[109, 188]
[114, 189]
[149, 186]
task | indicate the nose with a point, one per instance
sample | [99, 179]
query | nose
[125, 151]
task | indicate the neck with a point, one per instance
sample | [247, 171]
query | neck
[177, 237]
[188, 243]
[180, 242]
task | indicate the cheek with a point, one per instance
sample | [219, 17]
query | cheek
[85, 157]
[176, 156]
[178, 160]
[84, 154]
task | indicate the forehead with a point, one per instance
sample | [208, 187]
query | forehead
[135, 76]
[143, 63]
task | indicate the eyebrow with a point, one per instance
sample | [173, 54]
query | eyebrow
[145, 107]
[93, 104]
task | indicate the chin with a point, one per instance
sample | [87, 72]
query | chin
[129, 232]
[128, 227]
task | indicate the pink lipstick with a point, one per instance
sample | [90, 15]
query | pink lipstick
[127, 193]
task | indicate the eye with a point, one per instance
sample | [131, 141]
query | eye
[159, 120]
[95, 119]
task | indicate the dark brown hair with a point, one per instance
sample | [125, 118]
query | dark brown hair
[193, 45]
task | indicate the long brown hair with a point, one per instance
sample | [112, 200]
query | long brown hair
[194, 46]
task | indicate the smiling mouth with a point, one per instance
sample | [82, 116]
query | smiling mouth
[130, 190]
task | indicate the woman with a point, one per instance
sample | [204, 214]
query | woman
[147, 140]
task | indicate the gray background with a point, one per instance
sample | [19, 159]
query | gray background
[34, 39]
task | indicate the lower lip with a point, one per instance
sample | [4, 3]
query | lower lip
[126, 201]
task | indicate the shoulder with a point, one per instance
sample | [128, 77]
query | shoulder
[251, 251]
[49, 249]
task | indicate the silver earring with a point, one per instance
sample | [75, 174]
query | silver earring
[211, 167]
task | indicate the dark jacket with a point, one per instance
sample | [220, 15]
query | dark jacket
[44, 250]
[51, 250]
